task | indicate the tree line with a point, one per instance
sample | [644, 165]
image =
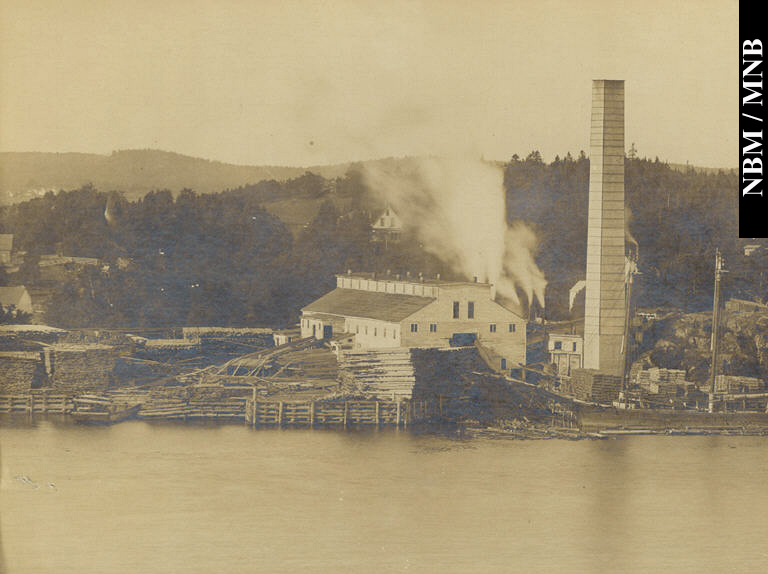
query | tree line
[223, 259]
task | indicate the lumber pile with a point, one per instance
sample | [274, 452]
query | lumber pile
[20, 371]
[738, 384]
[593, 385]
[655, 375]
[381, 373]
[78, 368]
[229, 339]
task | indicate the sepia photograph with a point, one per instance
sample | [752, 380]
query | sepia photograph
[347, 286]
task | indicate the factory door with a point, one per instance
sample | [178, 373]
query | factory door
[462, 339]
[327, 331]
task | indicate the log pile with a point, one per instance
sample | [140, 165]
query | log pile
[738, 384]
[20, 371]
[592, 385]
[229, 339]
[78, 368]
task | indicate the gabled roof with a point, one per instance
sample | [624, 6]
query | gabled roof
[368, 305]
[12, 295]
[6, 241]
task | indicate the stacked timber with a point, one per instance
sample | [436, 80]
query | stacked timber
[79, 368]
[381, 373]
[660, 376]
[165, 350]
[37, 333]
[229, 339]
[593, 385]
[738, 384]
[20, 371]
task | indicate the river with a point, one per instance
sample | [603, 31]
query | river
[151, 498]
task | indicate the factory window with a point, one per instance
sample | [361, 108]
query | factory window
[385, 333]
[414, 327]
[574, 347]
[471, 312]
[382, 222]
[433, 327]
[493, 327]
[558, 345]
[357, 328]
[455, 309]
[375, 331]
[503, 364]
[394, 334]
[512, 327]
[366, 329]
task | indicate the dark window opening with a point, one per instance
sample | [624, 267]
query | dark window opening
[493, 327]
[471, 310]
[455, 309]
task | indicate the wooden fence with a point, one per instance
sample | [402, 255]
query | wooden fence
[342, 413]
[42, 402]
[182, 409]
[254, 412]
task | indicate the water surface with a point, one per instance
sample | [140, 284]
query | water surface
[144, 498]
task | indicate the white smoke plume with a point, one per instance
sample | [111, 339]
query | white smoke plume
[457, 208]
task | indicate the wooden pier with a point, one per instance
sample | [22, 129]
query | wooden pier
[37, 402]
[257, 413]
[375, 412]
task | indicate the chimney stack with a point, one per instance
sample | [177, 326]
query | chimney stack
[604, 306]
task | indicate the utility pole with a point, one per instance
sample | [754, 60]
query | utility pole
[715, 328]
[626, 343]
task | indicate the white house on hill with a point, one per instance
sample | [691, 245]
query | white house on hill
[387, 226]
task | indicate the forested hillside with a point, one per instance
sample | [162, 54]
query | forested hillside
[224, 259]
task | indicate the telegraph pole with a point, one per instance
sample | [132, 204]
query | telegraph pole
[715, 328]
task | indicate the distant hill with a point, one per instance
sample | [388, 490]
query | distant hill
[24, 175]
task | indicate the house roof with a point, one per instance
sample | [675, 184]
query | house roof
[12, 295]
[31, 329]
[368, 305]
[6, 241]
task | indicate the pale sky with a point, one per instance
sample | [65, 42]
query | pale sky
[315, 82]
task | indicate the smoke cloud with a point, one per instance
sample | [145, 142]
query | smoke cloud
[457, 208]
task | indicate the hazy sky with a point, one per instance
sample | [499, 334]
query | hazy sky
[304, 82]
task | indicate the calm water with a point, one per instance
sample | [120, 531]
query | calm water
[144, 498]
